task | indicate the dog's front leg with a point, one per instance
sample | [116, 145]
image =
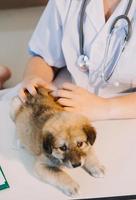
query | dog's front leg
[93, 166]
[57, 177]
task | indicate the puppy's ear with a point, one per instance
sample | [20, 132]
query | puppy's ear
[90, 132]
[48, 143]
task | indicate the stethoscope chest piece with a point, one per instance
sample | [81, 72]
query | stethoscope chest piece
[83, 63]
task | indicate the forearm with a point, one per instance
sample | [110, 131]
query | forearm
[37, 67]
[123, 107]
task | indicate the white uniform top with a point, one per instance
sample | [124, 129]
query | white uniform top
[56, 39]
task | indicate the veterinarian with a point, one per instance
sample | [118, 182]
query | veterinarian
[96, 41]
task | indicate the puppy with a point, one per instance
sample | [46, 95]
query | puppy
[57, 138]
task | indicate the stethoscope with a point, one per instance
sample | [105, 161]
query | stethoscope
[102, 76]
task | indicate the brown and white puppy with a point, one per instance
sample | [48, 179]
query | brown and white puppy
[57, 138]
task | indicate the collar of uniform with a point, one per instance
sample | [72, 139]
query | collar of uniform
[95, 13]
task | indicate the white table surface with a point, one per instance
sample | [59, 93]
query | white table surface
[115, 147]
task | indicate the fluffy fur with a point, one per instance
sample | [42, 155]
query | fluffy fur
[57, 139]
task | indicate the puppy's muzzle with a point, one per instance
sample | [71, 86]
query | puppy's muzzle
[74, 165]
[74, 158]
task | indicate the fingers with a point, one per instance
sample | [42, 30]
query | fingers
[31, 85]
[42, 83]
[67, 90]
[22, 95]
[69, 86]
[69, 109]
[31, 89]
[62, 93]
[66, 102]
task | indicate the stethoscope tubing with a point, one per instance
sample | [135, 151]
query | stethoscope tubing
[103, 72]
[128, 7]
[81, 31]
[128, 35]
[81, 22]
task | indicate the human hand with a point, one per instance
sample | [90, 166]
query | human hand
[30, 84]
[79, 100]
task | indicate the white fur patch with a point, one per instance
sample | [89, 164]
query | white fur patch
[16, 103]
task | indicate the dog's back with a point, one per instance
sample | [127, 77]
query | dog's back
[30, 116]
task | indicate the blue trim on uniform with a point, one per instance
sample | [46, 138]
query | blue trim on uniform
[32, 53]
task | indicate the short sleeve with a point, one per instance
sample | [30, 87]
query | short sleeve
[46, 40]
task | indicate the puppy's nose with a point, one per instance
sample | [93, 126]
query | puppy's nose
[76, 165]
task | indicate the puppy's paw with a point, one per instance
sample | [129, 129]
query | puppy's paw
[71, 189]
[97, 171]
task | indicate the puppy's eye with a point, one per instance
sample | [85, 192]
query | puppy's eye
[63, 148]
[79, 144]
